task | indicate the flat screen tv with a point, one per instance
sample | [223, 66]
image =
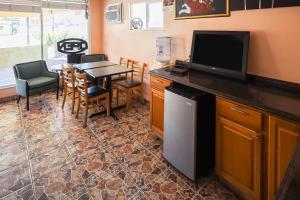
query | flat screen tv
[220, 52]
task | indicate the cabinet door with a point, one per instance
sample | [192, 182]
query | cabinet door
[157, 111]
[283, 139]
[238, 157]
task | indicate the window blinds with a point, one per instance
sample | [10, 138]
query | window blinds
[36, 5]
[20, 5]
[65, 4]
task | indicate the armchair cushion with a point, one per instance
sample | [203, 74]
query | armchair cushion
[92, 58]
[29, 70]
[40, 81]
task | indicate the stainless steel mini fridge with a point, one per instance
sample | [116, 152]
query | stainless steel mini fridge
[189, 130]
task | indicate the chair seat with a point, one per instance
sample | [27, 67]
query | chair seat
[40, 81]
[94, 91]
[129, 84]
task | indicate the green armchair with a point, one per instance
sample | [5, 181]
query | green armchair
[33, 78]
[93, 58]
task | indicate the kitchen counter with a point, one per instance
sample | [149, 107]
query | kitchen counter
[273, 96]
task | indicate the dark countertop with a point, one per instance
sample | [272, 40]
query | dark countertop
[272, 96]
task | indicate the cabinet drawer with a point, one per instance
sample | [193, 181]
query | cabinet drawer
[159, 83]
[240, 114]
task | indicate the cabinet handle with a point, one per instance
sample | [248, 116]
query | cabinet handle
[239, 111]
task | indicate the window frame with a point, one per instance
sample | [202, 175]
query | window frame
[42, 42]
[147, 28]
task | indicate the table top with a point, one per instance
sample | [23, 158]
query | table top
[107, 71]
[92, 65]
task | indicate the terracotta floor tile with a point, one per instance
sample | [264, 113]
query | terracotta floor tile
[22, 194]
[45, 162]
[60, 183]
[108, 186]
[13, 155]
[45, 153]
[14, 179]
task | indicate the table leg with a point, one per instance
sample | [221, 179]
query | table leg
[109, 88]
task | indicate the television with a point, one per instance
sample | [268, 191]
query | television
[220, 52]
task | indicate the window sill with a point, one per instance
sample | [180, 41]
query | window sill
[7, 86]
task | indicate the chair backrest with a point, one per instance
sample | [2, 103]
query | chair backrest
[82, 84]
[30, 69]
[92, 58]
[123, 62]
[139, 69]
[68, 77]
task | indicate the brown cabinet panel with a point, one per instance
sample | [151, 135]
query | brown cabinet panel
[158, 86]
[159, 83]
[157, 111]
[240, 114]
[283, 139]
[238, 157]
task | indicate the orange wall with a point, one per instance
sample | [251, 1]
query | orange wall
[274, 45]
[96, 26]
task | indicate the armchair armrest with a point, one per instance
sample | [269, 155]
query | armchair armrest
[46, 72]
[50, 74]
[21, 87]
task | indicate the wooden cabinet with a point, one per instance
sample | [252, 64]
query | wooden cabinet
[239, 148]
[253, 149]
[283, 138]
[157, 103]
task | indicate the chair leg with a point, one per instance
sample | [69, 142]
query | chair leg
[85, 115]
[57, 91]
[78, 107]
[117, 96]
[18, 100]
[27, 102]
[64, 98]
[73, 100]
[128, 99]
[107, 105]
[142, 96]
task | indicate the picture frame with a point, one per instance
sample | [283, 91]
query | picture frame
[188, 9]
[113, 13]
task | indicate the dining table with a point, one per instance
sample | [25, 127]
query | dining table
[93, 65]
[107, 72]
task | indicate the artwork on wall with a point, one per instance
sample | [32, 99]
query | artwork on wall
[261, 4]
[286, 3]
[201, 8]
[113, 13]
[168, 5]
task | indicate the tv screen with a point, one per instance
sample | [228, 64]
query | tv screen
[221, 52]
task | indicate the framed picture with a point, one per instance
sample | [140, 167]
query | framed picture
[168, 5]
[201, 8]
[113, 13]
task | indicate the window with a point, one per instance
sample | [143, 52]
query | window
[22, 28]
[20, 41]
[146, 15]
[60, 24]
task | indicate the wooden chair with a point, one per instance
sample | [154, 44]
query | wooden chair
[121, 77]
[69, 87]
[134, 83]
[90, 97]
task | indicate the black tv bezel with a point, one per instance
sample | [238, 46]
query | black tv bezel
[220, 71]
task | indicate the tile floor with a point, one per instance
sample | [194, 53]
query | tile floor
[46, 154]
